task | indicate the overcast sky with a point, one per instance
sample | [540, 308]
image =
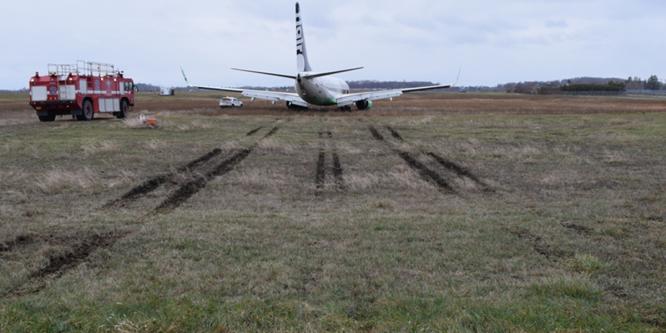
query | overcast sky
[492, 41]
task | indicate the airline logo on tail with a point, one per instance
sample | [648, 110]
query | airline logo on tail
[301, 53]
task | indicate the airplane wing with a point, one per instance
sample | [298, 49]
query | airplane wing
[349, 99]
[273, 96]
[276, 96]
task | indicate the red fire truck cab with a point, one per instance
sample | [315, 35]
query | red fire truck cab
[81, 90]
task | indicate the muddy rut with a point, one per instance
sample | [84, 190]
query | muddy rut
[78, 249]
[328, 147]
[181, 184]
[441, 172]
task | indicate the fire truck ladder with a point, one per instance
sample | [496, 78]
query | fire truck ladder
[96, 68]
[62, 71]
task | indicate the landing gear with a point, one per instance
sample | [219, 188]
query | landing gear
[346, 108]
[364, 105]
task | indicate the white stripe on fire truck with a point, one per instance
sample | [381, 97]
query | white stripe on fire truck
[98, 92]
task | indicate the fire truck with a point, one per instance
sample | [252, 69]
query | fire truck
[81, 90]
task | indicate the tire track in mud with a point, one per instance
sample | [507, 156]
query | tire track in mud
[376, 134]
[79, 246]
[448, 165]
[338, 171]
[79, 249]
[254, 131]
[60, 263]
[190, 170]
[320, 175]
[615, 287]
[154, 183]
[459, 170]
[271, 132]
[425, 172]
[189, 189]
[327, 145]
[421, 169]
[558, 255]
[395, 134]
[186, 191]
[539, 245]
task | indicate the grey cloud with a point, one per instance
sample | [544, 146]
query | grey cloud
[494, 41]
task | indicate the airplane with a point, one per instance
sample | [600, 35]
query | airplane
[319, 89]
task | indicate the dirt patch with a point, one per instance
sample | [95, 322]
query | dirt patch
[617, 290]
[656, 218]
[394, 133]
[579, 229]
[254, 131]
[540, 246]
[19, 241]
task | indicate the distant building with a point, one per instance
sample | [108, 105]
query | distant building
[166, 91]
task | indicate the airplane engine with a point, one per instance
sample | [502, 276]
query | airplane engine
[292, 106]
[364, 105]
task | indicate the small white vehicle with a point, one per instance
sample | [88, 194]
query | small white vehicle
[230, 102]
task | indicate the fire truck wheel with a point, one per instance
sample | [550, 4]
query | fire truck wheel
[124, 108]
[49, 117]
[87, 113]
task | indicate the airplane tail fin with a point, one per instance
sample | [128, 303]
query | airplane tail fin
[182, 71]
[301, 51]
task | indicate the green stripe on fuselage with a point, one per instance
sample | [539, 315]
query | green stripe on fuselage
[322, 101]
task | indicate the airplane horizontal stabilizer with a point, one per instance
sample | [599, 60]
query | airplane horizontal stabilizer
[408, 90]
[265, 73]
[314, 75]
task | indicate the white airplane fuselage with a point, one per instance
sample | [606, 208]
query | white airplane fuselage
[316, 88]
[322, 91]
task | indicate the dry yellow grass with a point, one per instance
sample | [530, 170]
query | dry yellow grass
[58, 180]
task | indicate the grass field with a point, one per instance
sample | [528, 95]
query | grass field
[461, 213]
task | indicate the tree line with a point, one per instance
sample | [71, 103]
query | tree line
[582, 85]
[651, 83]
